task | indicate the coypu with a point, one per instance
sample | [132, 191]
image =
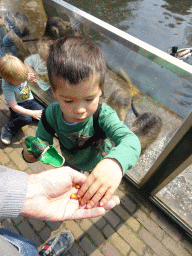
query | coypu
[57, 28]
[120, 101]
[147, 127]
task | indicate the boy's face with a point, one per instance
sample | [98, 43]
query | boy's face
[78, 102]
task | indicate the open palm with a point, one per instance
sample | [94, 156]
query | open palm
[49, 192]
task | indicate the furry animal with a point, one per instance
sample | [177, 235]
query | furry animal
[147, 127]
[120, 101]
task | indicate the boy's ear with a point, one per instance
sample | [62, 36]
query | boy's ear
[53, 93]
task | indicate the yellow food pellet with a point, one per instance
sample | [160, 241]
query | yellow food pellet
[77, 186]
[73, 196]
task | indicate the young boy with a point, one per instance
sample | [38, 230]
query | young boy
[18, 96]
[76, 69]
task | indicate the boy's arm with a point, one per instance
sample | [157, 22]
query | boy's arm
[107, 175]
[32, 75]
[36, 114]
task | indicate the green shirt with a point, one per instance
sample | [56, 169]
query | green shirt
[126, 148]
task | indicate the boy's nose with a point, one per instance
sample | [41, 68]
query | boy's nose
[79, 109]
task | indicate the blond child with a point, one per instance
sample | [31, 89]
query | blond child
[76, 69]
[36, 64]
[18, 96]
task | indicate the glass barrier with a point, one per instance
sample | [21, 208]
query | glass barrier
[162, 92]
[177, 195]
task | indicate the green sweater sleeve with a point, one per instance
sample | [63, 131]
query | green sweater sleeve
[127, 145]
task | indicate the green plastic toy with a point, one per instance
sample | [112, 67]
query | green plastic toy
[46, 153]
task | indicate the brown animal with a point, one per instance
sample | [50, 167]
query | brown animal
[120, 101]
[147, 127]
[22, 50]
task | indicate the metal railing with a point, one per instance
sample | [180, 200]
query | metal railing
[148, 51]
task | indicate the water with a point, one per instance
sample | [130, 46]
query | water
[162, 24]
[159, 23]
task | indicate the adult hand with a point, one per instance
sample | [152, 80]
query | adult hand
[48, 197]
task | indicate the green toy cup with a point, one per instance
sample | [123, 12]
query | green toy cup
[46, 153]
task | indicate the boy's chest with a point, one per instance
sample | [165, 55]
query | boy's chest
[78, 138]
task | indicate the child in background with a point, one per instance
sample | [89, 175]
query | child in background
[18, 96]
[76, 69]
[36, 64]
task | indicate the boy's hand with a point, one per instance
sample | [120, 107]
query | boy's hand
[101, 183]
[28, 156]
[37, 114]
[32, 77]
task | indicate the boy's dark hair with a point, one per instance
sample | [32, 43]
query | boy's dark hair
[73, 59]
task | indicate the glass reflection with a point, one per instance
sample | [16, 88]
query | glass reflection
[177, 195]
[161, 92]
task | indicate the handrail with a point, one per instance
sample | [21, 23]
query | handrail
[148, 51]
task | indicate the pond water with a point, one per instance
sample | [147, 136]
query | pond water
[162, 24]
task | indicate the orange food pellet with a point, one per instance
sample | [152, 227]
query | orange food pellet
[80, 200]
[73, 196]
[88, 201]
[77, 186]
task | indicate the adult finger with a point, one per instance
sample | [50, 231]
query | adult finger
[114, 201]
[77, 177]
[87, 213]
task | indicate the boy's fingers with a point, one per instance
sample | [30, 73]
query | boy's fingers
[107, 196]
[89, 181]
[97, 196]
[92, 190]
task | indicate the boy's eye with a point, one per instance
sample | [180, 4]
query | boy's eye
[90, 99]
[68, 101]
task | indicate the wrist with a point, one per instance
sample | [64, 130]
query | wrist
[34, 189]
[115, 162]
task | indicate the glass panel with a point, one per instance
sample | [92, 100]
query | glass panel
[177, 195]
[161, 92]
